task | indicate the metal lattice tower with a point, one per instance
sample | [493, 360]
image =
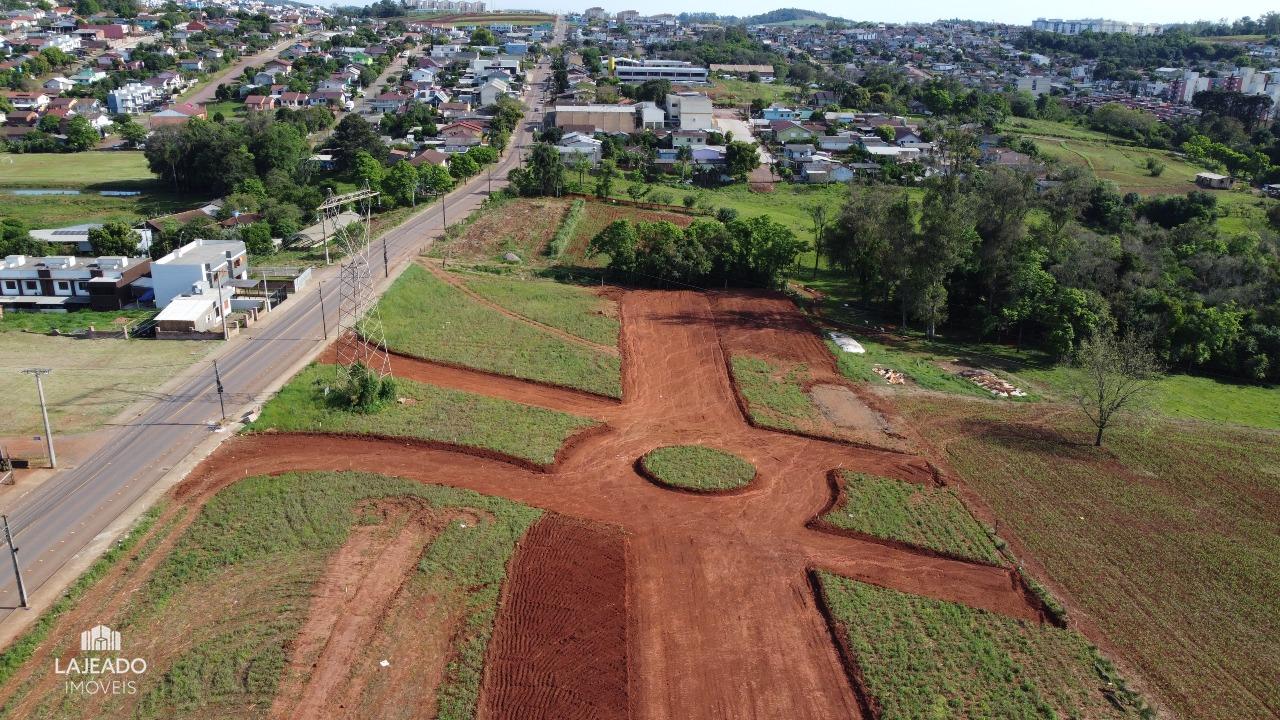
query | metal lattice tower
[360, 335]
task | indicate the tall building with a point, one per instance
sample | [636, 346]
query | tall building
[1095, 25]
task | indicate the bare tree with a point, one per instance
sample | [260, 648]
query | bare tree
[1119, 375]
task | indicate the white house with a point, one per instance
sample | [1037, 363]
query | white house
[575, 143]
[58, 84]
[491, 91]
[689, 111]
[198, 263]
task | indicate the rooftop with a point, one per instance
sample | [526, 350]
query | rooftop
[203, 252]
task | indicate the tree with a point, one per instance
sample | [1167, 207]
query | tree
[130, 131]
[434, 179]
[544, 174]
[257, 239]
[365, 391]
[740, 159]
[367, 169]
[604, 178]
[618, 241]
[1117, 375]
[461, 166]
[114, 238]
[49, 123]
[483, 36]
[401, 183]
[80, 134]
[352, 135]
[580, 164]
[886, 133]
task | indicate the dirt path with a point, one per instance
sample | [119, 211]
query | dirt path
[347, 606]
[434, 268]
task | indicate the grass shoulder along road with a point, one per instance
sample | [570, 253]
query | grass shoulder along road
[929, 517]
[428, 413]
[925, 658]
[427, 318]
[697, 468]
[576, 310]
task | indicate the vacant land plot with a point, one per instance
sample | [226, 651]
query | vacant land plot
[226, 614]
[929, 517]
[1168, 540]
[922, 658]
[74, 169]
[1124, 166]
[596, 216]
[44, 211]
[523, 226]
[775, 396]
[427, 318]
[574, 309]
[698, 468]
[428, 413]
[732, 91]
[71, 322]
[92, 380]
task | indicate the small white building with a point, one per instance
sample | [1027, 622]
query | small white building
[198, 266]
[690, 111]
[197, 312]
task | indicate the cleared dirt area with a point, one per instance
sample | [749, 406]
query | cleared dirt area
[567, 583]
[714, 616]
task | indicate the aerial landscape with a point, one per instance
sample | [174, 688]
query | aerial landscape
[431, 359]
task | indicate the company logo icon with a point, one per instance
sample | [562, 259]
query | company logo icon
[100, 638]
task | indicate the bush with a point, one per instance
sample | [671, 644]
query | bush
[690, 200]
[365, 392]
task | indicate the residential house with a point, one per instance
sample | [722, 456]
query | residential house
[207, 262]
[192, 64]
[389, 102]
[58, 84]
[464, 133]
[491, 91]
[689, 111]
[259, 103]
[579, 145]
[67, 282]
[131, 99]
[178, 114]
[689, 138]
[1214, 181]
[789, 131]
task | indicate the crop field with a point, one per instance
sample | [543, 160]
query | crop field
[698, 468]
[92, 380]
[1166, 540]
[428, 318]
[428, 413]
[227, 612]
[576, 310]
[922, 515]
[43, 170]
[925, 658]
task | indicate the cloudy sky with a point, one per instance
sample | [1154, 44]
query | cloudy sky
[1010, 11]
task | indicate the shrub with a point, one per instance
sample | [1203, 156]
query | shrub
[365, 392]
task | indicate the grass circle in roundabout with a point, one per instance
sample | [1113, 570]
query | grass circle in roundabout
[696, 468]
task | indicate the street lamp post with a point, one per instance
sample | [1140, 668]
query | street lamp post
[39, 374]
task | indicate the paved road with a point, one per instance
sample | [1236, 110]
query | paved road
[206, 91]
[58, 519]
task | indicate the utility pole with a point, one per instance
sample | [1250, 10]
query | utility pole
[217, 380]
[266, 295]
[17, 571]
[222, 311]
[386, 264]
[323, 323]
[44, 411]
[490, 180]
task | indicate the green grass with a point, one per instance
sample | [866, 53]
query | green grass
[930, 517]
[427, 318]
[576, 310]
[92, 380]
[73, 170]
[1167, 538]
[925, 658]
[775, 399]
[695, 467]
[435, 413]
[920, 365]
[48, 211]
[71, 322]
[560, 241]
[230, 109]
[1055, 129]
[736, 91]
[273, 535]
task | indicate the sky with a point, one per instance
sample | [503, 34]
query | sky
[1008, 11]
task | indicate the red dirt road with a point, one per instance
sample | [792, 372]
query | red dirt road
[722, 622]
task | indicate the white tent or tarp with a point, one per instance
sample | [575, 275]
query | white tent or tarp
[846, 343]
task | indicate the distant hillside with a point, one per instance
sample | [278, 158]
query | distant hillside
[791, 16]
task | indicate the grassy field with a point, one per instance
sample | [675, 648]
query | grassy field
[918, 361]
[92, 380]
[788, 204]
[694, 467]
[1167, 539]
[1124, 166]
[596, 216]
[925, 658]
[432, 413]
[521, 226]
[42, 211]
[1055, 129]
[737, 92]
[930, 517]
[427, 318]
[775, 396]
[574, 309]
[72, 170]
[217, 618]
[71, 322]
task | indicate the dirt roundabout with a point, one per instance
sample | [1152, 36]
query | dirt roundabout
[627, 600]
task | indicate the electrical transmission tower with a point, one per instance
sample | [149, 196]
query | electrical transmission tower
[360, 335]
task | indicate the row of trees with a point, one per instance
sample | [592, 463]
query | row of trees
[988, 253]
[752, 252]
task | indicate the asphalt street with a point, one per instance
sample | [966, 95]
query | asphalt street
[57, 520]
